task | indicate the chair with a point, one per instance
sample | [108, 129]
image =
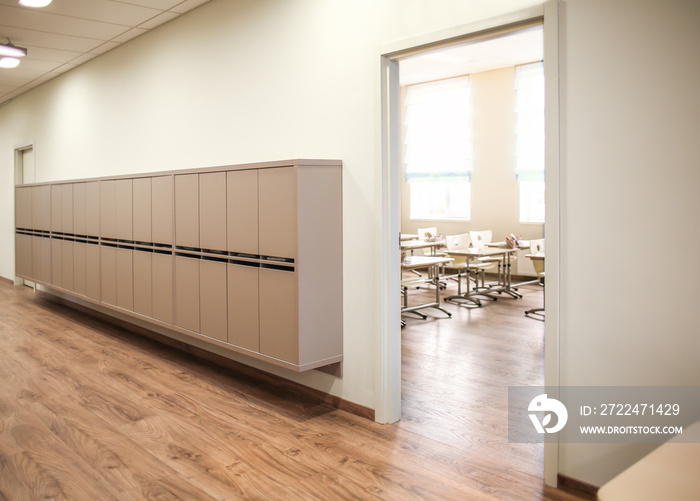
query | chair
[459, 263]
[537, 247]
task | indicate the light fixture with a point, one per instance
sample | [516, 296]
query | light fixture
[10, 50]
[9, 62]
[34, 3]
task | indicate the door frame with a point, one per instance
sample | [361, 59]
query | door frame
[388, 344]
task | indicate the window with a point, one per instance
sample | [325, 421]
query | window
[438, 154]
[529, 145]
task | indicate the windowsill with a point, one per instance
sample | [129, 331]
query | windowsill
[532, 222]
[445, 219]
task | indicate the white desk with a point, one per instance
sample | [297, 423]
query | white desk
[504, 287]
[432, 263]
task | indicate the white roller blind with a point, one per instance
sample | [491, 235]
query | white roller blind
[438, 138]
[529, 128]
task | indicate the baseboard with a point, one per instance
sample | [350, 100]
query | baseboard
[7, 280]
[237, 368]
[574, 485]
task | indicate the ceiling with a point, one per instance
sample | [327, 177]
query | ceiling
[67, 33]
[519, 47]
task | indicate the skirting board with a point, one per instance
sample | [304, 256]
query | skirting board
[573, 485]
[235, 367]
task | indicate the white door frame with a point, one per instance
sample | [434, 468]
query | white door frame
[388, 372]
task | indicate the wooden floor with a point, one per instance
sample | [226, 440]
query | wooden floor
[89, 411]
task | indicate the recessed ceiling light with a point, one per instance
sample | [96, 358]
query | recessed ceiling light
[9, 62]
[34, 3]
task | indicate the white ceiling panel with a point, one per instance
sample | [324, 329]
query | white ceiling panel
[520, 47]
[68, 33]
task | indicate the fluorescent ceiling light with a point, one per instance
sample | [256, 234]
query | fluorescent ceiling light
[7, 49]
[9, 62]
[34, 3]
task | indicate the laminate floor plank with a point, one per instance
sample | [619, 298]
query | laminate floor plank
[91, 411]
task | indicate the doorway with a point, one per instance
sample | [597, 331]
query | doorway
[389, 384]
[25, 173]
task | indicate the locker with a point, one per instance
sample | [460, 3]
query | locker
[212, 299]
[242, 211]
[187, 210]
[212, 211]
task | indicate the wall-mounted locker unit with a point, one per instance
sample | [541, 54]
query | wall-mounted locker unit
[247, 258]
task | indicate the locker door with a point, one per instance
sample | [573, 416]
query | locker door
[243, 314]
[67, 264]
[45, 260]
[142, 210]
[56, 207]
[56, 262]
[23, 255]
[212, 211]
[162, 283]
[125, 279]
[212, 299]
[93, 281]
[79, 267]
[23, 207]
[41, 207]
[187, 210]
[92, 208]
[108, 274]
[79, 205]
[242, 211]
[124, 209]
[279, 317]
[278, 212]
[162, 210]
[143, 290]
[108, 209]
[187, 293]
[67, 208]
[36, 258]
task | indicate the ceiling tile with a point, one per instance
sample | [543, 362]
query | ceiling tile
[158, 20]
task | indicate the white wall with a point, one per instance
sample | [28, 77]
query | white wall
[630, 204]
[253, 80]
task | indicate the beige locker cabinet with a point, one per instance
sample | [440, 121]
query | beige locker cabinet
[93, 279]
[108, 274]
[68, 265]
[187, 293]
[79, 268]
[162, 209]
[243, 309]
[56, 207]
[143, 283]
[67, 208]
[56, 262]
[244, 259]
[163, 287]
[92, 208]
[23, 253]
[125, 278]
[279, 315]
[143, 206]
[187, 211]
[41, 207]
[277, 212]
[212, 211]
[79, 207]
[124, 209]
[108, 209]
[23, 207]
[212, 299]
[242, 211]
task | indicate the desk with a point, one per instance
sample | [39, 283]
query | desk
[504, 286]
[408, 236]
[433, 263]
[422, 244]
[539, 312]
